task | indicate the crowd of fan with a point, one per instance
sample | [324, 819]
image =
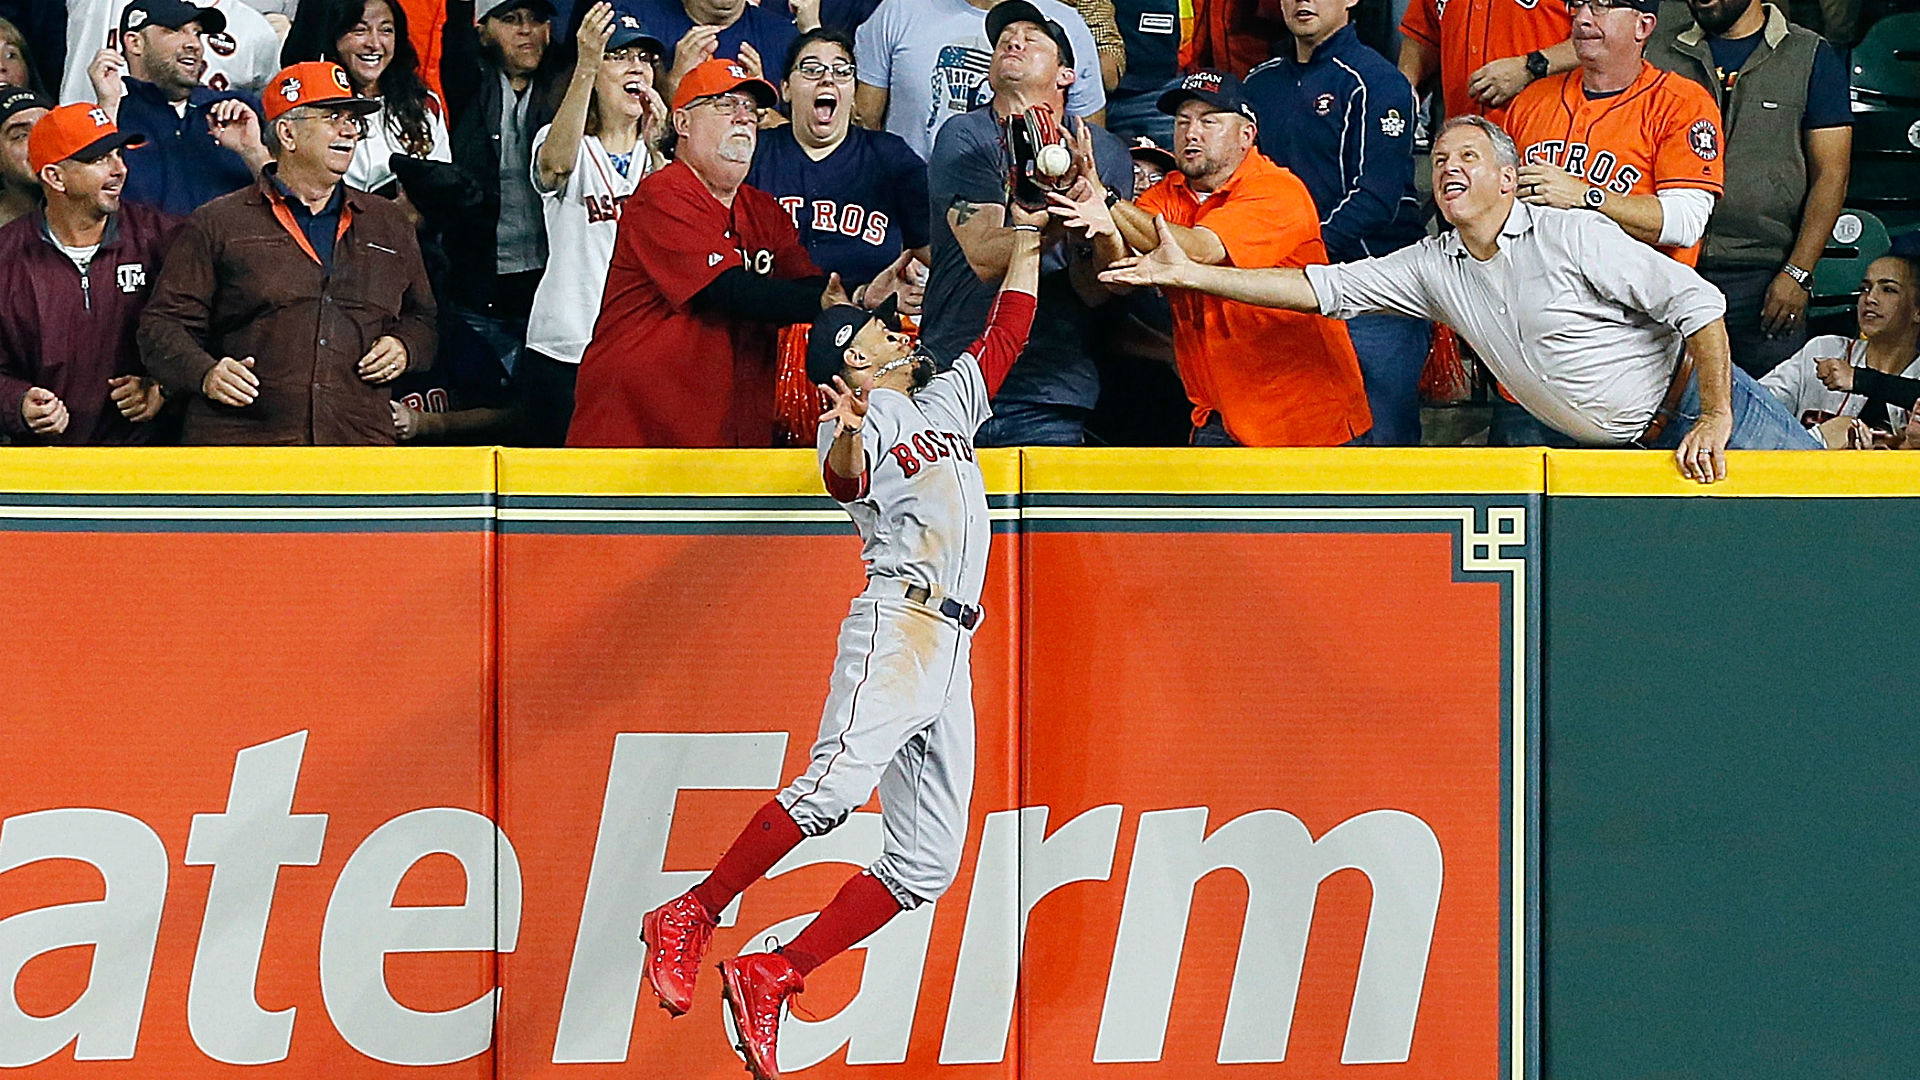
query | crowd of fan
[492, 221]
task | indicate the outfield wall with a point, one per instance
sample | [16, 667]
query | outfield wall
[365, 763]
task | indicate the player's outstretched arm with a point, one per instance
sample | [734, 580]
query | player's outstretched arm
[1169, 265]
[1012, 316]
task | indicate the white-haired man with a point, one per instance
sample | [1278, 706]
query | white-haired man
[1598, 335]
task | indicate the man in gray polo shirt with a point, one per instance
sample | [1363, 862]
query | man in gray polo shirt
[1599, 336]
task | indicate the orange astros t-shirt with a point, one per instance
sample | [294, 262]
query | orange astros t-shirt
[1663, 131]
[1277, 378]
[1470, 34]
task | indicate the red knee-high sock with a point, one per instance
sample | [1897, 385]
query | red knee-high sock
[766, 838]
[862, 906]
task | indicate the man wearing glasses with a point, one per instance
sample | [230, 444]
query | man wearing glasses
[286, 309]
[705, 269]
[1620, 136]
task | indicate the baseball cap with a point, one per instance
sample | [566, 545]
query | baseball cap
[16, 99]
[1217, 88]
[488, 8]
[834, 328]
[1143, 146]
[628, 30]
[76, 131]
[172, 14]
[1005, 14]
[314, 82]
[721, 77]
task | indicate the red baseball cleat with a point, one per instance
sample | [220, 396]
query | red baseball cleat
[677, 935]
[755, 986]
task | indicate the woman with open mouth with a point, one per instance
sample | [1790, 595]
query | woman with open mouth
[604, 138]
[858, 197]
[368, 38]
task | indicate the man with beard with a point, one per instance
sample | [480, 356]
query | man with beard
[19, 191]
[73, 279]
[503, 82]
[1256, 377]
[704, 269]
[200, 143]
[1056, 384]
[1620, 136]
[1598, 335]
[1784, 103]
[242, 56]
[286, 310]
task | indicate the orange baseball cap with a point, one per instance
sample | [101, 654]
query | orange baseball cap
[76, 131]
[315, 82]
[722, 77]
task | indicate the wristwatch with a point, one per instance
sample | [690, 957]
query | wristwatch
[1802, 278]
[1537, 64]
[1113, 196]
[1595, 198]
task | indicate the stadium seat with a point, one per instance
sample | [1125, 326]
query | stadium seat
[1886, 116]
[1886, 63]
[1858, 238]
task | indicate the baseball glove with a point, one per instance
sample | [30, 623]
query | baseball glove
[1042, 161]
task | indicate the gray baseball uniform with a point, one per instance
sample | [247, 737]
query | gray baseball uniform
[899, 713]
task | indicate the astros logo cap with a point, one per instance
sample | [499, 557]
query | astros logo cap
[721, 77]
[79, 131]
[315, 82]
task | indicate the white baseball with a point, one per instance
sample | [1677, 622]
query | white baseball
[1054, 160]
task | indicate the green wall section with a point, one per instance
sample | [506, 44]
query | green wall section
[1732, 803]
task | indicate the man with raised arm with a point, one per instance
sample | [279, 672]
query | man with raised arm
[1596, 334]
[897, 451]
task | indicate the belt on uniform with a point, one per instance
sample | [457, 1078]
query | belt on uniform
[1670, 405]
[968, 617]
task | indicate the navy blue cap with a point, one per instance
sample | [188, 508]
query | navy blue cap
[833, 331]
[172, 14]
[628, 30]
[1008, 12]
[14, 99]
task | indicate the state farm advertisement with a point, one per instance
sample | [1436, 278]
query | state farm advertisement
[341, 804]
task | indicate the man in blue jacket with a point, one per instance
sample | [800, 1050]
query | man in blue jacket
[1340, 116]
[200, 143]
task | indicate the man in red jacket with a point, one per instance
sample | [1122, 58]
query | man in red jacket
[74, 277]
[705, 269]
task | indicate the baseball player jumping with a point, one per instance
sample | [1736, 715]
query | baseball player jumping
[896, 450]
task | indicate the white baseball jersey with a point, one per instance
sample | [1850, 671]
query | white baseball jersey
[583, 221]
[372, 168]
[923, 516]
[1796, 382]
[243, 57]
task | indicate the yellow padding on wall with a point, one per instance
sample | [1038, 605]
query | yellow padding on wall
[1785, 474]
[1332, 471]
[292, 470]
[694, 472]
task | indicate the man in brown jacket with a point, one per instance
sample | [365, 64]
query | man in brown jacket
[287, 308]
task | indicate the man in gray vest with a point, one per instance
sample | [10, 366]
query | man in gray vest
[1783, 96]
